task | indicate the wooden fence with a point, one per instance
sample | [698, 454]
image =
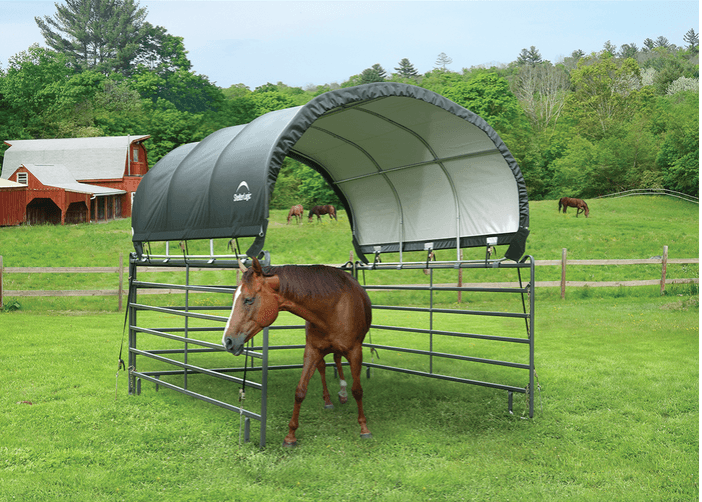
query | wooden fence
[121, 291]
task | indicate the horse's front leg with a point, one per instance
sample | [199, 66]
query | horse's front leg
[309, 364]
[355, 358]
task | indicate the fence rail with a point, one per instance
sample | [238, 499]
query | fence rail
[652, 191]
[123, 271]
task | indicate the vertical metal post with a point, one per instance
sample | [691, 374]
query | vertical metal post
[431, 320]
[532, 367]
[185, 335]
[264, 387]
[120, 290]
[132, 319]
[460, 277]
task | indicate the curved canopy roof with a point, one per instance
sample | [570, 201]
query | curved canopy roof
[413, 169]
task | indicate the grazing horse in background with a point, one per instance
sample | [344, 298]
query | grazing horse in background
[297, 212]
[320, 210]
[579, 204]
[337, 312]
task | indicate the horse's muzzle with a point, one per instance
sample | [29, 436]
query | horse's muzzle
[233, 345]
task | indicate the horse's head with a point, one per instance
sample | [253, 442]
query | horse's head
[255, 307]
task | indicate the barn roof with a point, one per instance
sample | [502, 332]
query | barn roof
[10, 184]
[56, 175]
[413, 170]
[85, 158]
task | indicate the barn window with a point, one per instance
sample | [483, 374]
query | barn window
[22, 178]
[135, 154]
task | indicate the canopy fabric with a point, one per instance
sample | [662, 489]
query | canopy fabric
[413, 170]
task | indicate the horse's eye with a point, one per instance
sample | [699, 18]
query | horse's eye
[248, 301]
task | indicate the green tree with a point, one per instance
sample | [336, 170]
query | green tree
[628, 51]
[375, 73]
[100, 34]
[268, 98]
[406, 69]
[489, 96]
[679, 154]
[605, 93]
[693, 41]
[529, 57]
[32, 89]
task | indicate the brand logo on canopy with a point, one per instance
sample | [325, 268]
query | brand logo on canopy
[241, 195]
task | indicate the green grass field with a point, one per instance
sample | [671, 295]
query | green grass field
[617, 415]
[632, 227]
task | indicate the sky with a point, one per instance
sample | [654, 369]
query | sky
[304, 44]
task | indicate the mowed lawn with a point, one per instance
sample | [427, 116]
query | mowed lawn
[616, 418]
[617, 411]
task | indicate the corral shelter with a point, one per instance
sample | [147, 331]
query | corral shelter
[414, 170]
[53, 171]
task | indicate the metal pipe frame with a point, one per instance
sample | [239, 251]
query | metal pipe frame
[186, 369]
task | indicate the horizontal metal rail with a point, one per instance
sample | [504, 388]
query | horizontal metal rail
[449, 356]
[195, 369]
[447, 377]
[214, 346]
[476, 336]
[518, 315]
[202, 397]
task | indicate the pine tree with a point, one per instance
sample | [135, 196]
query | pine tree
[692, 39]
[442, 61]
[531, 57]
[95, 34]
[375, 73]
[406, 69]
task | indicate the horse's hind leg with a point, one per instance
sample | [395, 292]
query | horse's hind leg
[321, 367]
[343, 395]
[355, 358]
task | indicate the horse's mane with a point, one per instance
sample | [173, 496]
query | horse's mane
[298, 282]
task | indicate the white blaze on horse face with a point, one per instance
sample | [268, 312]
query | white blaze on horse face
[226, 328]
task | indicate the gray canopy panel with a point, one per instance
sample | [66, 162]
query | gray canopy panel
[412, 168]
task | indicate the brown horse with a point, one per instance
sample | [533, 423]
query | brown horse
[337, 312]
[297, 212]
[321, 210]
[579, 204]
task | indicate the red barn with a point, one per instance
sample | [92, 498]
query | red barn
[70, 180]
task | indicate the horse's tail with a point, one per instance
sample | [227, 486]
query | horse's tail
[560, 203]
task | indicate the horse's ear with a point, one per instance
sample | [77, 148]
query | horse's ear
[256, 265]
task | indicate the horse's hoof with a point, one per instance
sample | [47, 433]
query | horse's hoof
[343, 400]
[367, 435]
[328, 406]
[289, 445]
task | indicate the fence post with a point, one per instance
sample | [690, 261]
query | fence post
[460, 278]
[665, 266]
[121, 282]
[0, 282]
[564, 254]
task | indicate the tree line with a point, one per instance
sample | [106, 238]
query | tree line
[591, 124]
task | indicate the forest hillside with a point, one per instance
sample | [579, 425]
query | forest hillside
[593, 123]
